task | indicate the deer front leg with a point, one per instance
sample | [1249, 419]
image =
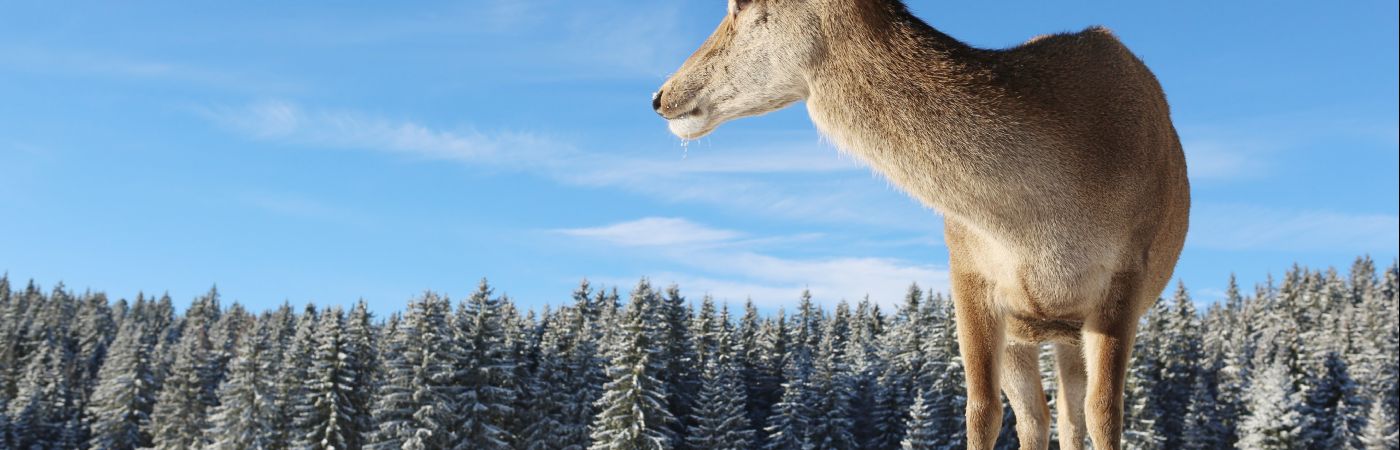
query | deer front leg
[1021, 383]
[1069, 401]
[981, 343]
[1108, 345]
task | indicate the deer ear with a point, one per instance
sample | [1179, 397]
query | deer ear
[739, 5]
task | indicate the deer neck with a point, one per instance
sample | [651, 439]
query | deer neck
[916, 104]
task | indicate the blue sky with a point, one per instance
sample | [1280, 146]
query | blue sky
[317, 151]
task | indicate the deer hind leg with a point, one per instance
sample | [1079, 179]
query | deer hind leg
[1021, 382]
[1108, 344]
[1069, 399]
[980, 341]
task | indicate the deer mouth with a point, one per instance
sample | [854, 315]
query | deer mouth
[691, 125]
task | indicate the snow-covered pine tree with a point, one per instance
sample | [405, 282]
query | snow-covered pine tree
[415, 406]
[862, 350]
[1141, 418]
[40, 413]
[633, 413]
[121, 403]
[949, 396]
[243, 419]
[1381, 432]
[484, 373]
[1334, 410]
[1376, 340]
[1179, 352]
[328, 417]
[180, 415]
[720, 421]
[903, 350]
[764, 361]
[1202, 426]
[924, 429]
[93, 334]
[1233, 332]
[297, 346]
[831, 387]
[361, 352]
[1275, 421]
[228, 331]
[788, 424]
[704, 331]
[546, 389]
[678, 358]
[585, 365]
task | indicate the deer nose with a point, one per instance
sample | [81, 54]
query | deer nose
[656, 101]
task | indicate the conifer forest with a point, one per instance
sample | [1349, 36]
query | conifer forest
[1305, 361]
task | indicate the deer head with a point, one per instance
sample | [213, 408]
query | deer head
[753, 63]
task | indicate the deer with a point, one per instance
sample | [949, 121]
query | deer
[1054, 164]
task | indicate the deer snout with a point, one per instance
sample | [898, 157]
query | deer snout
[671, 104]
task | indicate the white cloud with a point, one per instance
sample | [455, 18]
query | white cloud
[720, 177]
[719, 263]
[653, 232]
[287, 122]
[1223, 160]
[1245, 227]
[1253, 147]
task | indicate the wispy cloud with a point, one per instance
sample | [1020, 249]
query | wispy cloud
[287, 122]
[1246, 227]
[719, 262]
[654, 232]
[1254, 147]
[1217, 159]
[725, 178]
[111, 65]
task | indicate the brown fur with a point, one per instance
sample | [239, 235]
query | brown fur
[1055, 164]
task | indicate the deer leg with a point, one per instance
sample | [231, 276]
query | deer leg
[1069, 400]
[1020, 381]
[980, 341]
[1108, 344]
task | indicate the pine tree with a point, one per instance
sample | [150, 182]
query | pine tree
[243, 419]
[949, 393]
[923, 428]
[484, 373]
[328, 418]
[1202, 425]
[566, 384]
[414, 407]
[766, 358]
[789, 424]
[1380, 432]
[1179, 352]
[1335, 412]
[721, 416]
[296, 346]
[121, 404]
[546, 388]
[362, 358]
[832, 389]
[678, 358]
[40, 412]
[1274, 421]
[1141, 417]
[633, 413]
[181, 411]
[1232, 376]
